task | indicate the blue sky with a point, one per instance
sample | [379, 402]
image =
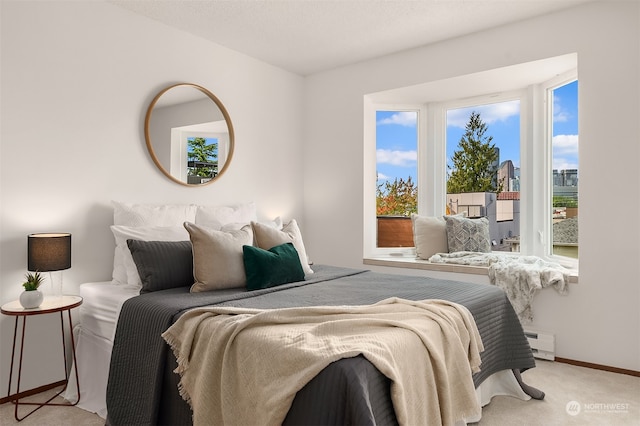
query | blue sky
[396, 133]
[396, 139]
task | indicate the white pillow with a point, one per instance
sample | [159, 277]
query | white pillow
[275, 223]
[217, 216]
[429, 235]
[218, 257]
[126, 214]
[267, 237]
[124, 268]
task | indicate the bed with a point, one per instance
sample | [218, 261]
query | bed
[127, 369]
[143, 389]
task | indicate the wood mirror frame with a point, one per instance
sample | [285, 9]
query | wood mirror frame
[187, 109]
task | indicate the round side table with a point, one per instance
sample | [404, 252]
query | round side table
[50, 305]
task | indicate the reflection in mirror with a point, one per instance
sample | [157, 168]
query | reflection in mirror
[189, 134]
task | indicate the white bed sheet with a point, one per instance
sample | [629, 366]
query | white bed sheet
[101, 306]
[94, 340]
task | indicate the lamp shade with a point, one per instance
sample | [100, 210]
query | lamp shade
[48, 252]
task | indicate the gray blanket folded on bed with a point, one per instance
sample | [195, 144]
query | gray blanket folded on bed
[140, 355]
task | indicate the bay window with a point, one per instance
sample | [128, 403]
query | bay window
[417, 142]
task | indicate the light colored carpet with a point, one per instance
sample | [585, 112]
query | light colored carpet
[594, 398]
[48, 416]
[573, 396]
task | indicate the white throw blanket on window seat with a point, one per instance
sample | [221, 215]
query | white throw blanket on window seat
[519, 276]
[244, 366]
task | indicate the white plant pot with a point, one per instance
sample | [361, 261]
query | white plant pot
[31, 299]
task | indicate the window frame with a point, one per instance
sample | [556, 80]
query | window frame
[494, 98]
[546, 89]
[370, 168]
[536, 150]
[179, 146]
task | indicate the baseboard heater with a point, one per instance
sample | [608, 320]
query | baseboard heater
[543, 344]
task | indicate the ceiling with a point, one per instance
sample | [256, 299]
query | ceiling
[310, 36]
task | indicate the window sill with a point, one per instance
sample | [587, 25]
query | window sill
[415, 263]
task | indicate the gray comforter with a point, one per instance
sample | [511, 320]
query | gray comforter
[142, 389]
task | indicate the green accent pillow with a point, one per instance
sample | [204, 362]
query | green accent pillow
[269, 268]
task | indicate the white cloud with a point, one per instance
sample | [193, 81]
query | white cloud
[382, 176]
[396, 157]
[565, 152]
[403, 118]
[565, 145]
[489, 113]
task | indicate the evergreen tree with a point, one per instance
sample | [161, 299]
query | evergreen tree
[201, 151]
[475, 163]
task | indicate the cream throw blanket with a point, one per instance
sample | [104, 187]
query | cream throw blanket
[521, 277]
[244, 366]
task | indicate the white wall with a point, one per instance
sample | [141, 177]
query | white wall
[599, 320]
[76, 81]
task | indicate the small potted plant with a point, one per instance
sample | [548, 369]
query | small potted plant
[31, 297]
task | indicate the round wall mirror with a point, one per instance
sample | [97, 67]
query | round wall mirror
[189, 134]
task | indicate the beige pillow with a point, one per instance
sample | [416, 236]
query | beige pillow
[267, 237]
[217, 257]
[429, 235]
